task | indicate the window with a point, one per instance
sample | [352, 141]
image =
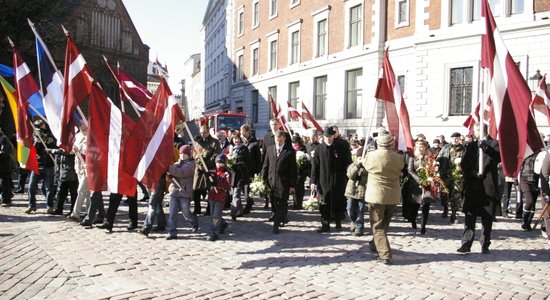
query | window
[402, 13]
[256, 14]
[495, 7]
[294, 3]
[254, 113]
[240, 66]
[273, 55]
[320, 98]
[516, 7]
[240, 23]
[355, 26]
[255, 60]
[273, 8]
[476, 10]
[321, 37]
[295, 47]
[457, 8]
[354, 94]
[461, 91]
[272, 92]
[293, 94]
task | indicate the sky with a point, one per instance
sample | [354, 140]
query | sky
[171, 29]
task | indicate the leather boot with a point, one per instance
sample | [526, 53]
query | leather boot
[527, 217]
[324, 227]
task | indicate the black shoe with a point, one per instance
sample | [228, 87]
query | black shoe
[212, 237]
[276, 230]
[324, 228]
[485, 250]
[385, 261]
[144, 232]
[144, 199]
[463, 249]
[103, 226]
[158, 229]
[372, 246]
[413, 224]
[86, 223]
[6, 204]
[223, 227]
[338, 225]
[423, 230]
[97, 221]
[30, 210]
[233, 217]
[171, 237]
[195, 228]
[131, 226]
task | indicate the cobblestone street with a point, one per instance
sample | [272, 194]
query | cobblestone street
[48, 257]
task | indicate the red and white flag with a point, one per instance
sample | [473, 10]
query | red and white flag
[517, 131]
[130, 89]
[388, 89]
[488, 118]
[77, 86]
[541, 99]
[292, 111]
[108, 128]
[278, 113]
[152, 139]
[308, 120]
[25, 88]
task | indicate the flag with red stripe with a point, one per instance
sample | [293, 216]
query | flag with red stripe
[149, 148]
[25, 88]
[278, 113]
[134, 91]
[541, 99]
[308, 120]
[76, 87]
[397, 115]
[292, 111]
[517, 131]
[108, 128]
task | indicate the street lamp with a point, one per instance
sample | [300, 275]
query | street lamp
[535, 78]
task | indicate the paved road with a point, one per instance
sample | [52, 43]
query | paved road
[45, 256]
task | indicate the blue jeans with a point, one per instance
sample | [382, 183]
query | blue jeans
[183, 205]
[216, 210]
[155, 207]
[237, 201]
[47, 176]
[356, 213]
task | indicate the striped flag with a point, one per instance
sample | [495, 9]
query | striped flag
[51, 84]
[25, 88]
[292, 111]
[152, 139]
[517, 131]
[308, 121]
[77, 86]
[130, 89]
[278, 113]
[108, 128]
[388, 89]
[541, 99]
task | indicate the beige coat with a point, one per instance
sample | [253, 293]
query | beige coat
[385, 167]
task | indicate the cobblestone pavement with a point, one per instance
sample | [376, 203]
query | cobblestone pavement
[46, 257]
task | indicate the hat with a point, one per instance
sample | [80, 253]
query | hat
[185, 149]
[329, 131]
[456, 134]
[385, 140]
[437, 141]
[296, 139]
[221, 159]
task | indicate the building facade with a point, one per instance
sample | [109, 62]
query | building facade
[327, 55]
[155, 70]
[194, 88]
[218, 38]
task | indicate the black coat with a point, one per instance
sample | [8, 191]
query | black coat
[328, 169]
[480, 190]
[255, 158]
[269, 140]
[279, 172]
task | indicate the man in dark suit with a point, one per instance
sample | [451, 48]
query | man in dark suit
[328, 178]
[279, 172]
[480, 189]
[268, 141]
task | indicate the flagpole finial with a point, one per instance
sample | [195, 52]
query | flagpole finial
[105, 59]
[31, 24]
[11, 42]
[65, 30]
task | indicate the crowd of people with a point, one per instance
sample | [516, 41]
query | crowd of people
[349, 176]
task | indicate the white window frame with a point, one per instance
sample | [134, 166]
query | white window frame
[255, 45]
[292, 28]
[272, 37]
[255, 17]
[348, 5]
[406, 22]
[240, 21]
[273, 9]
[318, 16]
[293, 3]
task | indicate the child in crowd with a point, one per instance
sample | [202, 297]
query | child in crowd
[216, 196]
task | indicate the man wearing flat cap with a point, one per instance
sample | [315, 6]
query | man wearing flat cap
[328, 178]
[384, 166]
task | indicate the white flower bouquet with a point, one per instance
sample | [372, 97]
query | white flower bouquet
[313, 202]
[258, 186]
[302, 159]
